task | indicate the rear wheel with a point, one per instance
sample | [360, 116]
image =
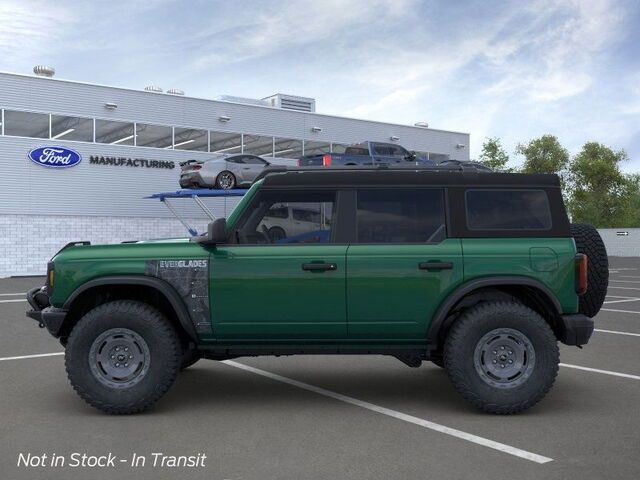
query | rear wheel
[502, 357]
[122, 356]
[225, 180]
[276, 234]
[589, 242]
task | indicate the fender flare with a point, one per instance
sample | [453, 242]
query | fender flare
[161, 286]
[476, 284]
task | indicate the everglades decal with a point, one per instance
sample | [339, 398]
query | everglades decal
[190, 278]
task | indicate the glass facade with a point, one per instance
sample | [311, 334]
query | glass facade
[117, 132]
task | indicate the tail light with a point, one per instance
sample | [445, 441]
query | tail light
[326, 160]
[298, 162]
[582, 262]
[196, 167]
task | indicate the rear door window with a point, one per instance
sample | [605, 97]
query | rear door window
[401, 216]
[507, 210]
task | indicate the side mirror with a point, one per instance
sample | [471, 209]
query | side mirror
[216, 233]
[411, 156]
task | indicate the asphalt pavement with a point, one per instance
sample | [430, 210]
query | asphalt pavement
[326, 417]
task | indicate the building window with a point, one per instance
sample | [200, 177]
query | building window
[26, 124]
[157, 136]
[438, 157]
[287, 148]
[316, 148]
[114, 133]
[338, 148]
[223, 142]
[257, 145]
[71, 128]
[190, 139]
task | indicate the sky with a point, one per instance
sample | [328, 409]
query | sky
[508, 69]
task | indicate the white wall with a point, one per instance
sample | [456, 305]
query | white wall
[27, 242]
[621, 245]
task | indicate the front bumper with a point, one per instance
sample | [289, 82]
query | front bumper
[47, 316]
[575, 329]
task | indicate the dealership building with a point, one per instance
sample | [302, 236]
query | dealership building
[127, 144]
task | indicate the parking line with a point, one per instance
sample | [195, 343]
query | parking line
[485, 442]
[14, 300]
[616, 332]
[624, 288]
[625, 300]
[619, 311]
[625, 281]
[24, 357]
[597, 370]
[628, 276]
[12, 294]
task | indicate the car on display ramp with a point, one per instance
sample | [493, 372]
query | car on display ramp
[223, 172]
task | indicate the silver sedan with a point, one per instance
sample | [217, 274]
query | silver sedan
[224, 171]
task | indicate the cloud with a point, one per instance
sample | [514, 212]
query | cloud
[28, 29]
[290, 25]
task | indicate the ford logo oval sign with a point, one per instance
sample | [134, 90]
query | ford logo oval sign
[55, 157]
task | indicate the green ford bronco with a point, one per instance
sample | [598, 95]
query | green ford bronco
[480, 273]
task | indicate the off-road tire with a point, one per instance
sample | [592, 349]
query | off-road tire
[468, 331]
[164, 349]
[189, 357]
[589, 242]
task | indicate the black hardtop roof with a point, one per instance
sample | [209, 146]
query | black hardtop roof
[363, 176]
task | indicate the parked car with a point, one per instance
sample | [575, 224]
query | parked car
[224, 171]
[367, 153]
[284, 223]
[480, 274]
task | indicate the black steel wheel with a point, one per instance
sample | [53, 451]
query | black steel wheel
[119, 358]
[502, 357]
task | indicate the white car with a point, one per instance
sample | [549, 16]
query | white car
[223, 171]
[284, 223]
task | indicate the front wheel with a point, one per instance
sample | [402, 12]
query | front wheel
[122, 356]
[502, 357]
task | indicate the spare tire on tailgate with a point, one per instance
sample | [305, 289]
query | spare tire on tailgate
[588, 241]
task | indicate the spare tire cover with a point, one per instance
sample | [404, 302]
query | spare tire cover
[589, 242]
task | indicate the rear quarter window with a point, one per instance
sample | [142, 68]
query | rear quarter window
[507, 210]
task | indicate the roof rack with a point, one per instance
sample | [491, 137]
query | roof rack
[458, 167]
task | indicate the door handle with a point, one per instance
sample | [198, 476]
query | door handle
[319, 267]
[435, 265]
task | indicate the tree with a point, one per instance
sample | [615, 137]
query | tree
[544, 155]
[601, 194]
[493, 154]
[632, 219]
